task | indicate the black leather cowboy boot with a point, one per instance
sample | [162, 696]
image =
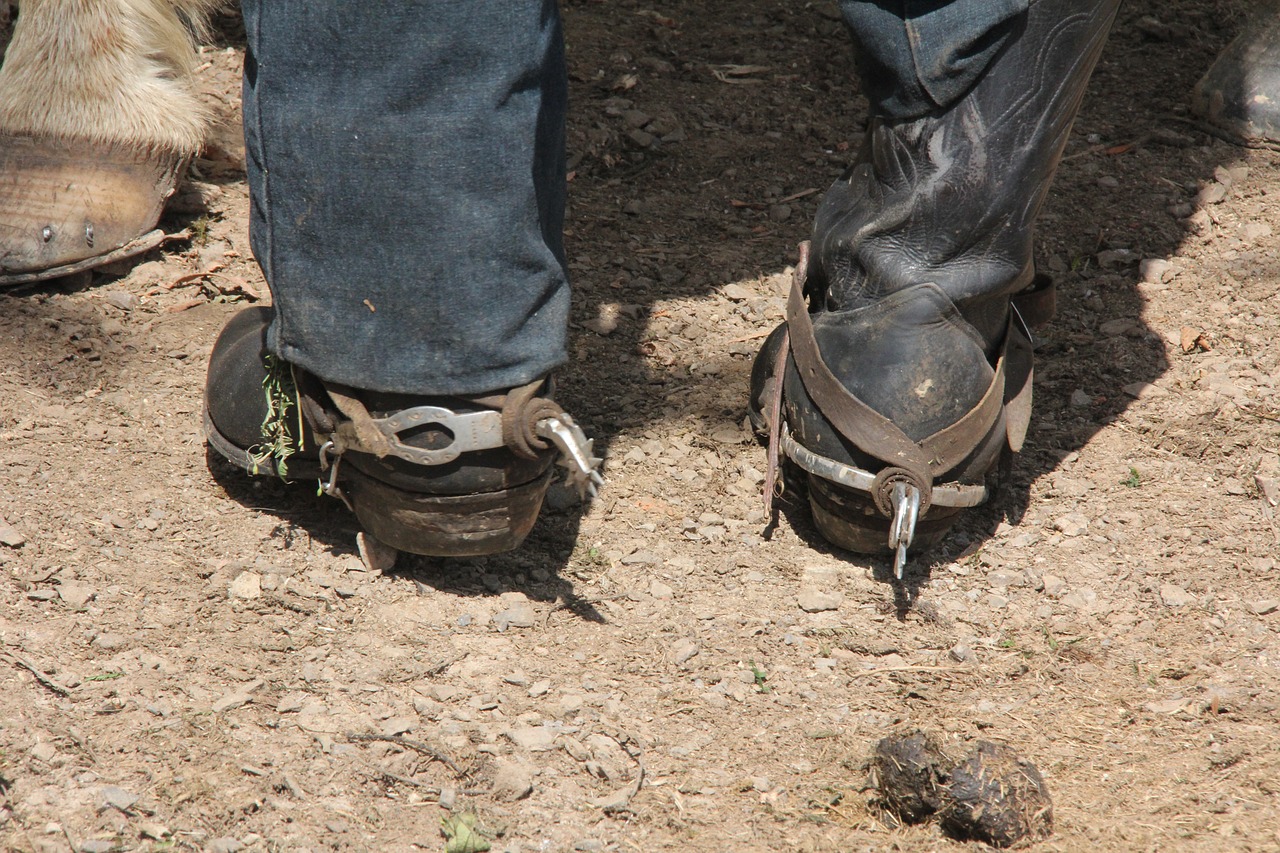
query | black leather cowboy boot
[907, 374]
[443, 476]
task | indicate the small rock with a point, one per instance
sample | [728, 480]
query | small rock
[660, 590]
[1154, 270]
[1081, 599]
[376, 555]
[117, 798]
[44, 751]
[1175, 596]
[398, 726]
[520, 616]
[1211, 194]
[237, 698]
[1116, 257]
[684, 650]
[1053, 585]
[533, 738]
[1002, 578]
[110, 642]
[816, 601]
[780, 212]
[1080, 399]
[512, 781]
[97, 845]
[123, 300]
[246, 586]
[154, 831]
[961, 653]
[1264, 606]
[1143, 390]
[448, 797]
[736, 292]
[291, 702]
[223, 845]
[1252, 232]
[1071, 524]
[1269, 488]
[539, 688]
[10, 536]
[42, 595]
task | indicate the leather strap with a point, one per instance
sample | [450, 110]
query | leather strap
[875, 434]
[1038, 301]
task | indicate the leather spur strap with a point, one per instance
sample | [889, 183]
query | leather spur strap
[870, 431]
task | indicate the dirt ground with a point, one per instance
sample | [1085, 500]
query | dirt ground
[219, 671]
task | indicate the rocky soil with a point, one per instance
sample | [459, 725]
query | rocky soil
[193, 661]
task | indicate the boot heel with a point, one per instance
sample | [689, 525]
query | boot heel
[472, 525]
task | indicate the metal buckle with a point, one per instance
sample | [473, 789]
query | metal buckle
[576, 454]
[330, 487]
[470, 431]
[906, 510]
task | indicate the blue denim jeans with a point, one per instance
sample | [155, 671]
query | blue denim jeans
[917, 56]
[406, 173]
[407, 179]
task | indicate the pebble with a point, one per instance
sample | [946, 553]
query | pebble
[448, 797]
[1053, 585]
[533, 738]
[398, 726]
[660, 590]
[1080, 399]
[961, 653]
[1001, 578]
[97, 845]
[110, 642]
[44, 751]
[1251, 232]
[684, 650]
[1264, 606]
[291, 702]
[1143, 390]
[223, 845]
[42, 595]
[1081, 599]
[1175, 596]
[1211, 194]
[237, 698]
[1116, 257]
[117, 798]
[1072, 524]
[816, 601]
[539, 688]
[519, 613]
[512, 781]
[376, 555]
[1154, 270]
[246, 586]
[10, 536]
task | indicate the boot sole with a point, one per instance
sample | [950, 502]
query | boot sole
[475, 525]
